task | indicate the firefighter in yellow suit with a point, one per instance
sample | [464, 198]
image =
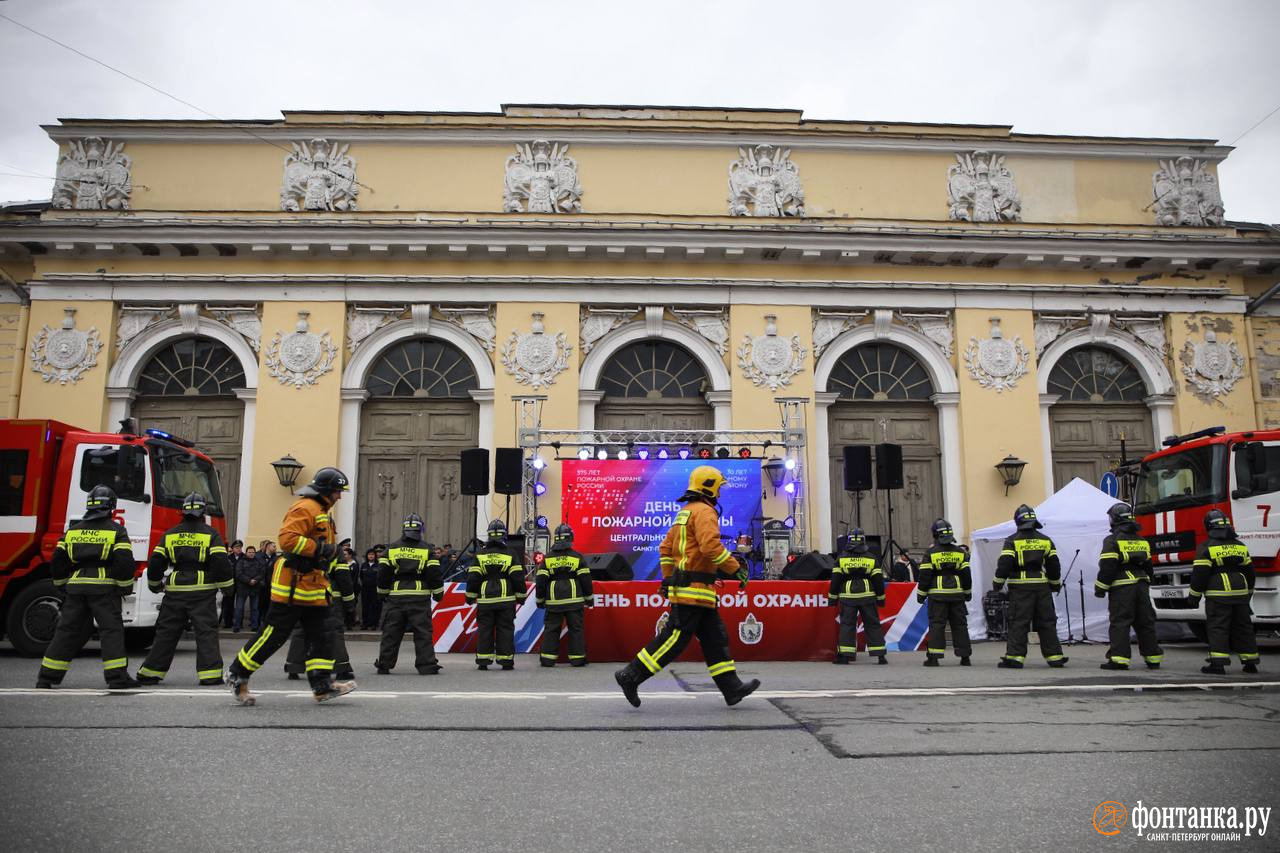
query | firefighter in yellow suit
[300, 592]
[693, 559]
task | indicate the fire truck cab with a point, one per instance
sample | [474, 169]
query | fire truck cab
[1238, 473]
[47, 469]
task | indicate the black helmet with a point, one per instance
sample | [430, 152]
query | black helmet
[325, 482]
[564, 536]
[855, 542]
[497, 531]
[942, 532]
[1218, 525]
[1025, 518]
[194, 505]
[1121, 517]
[413, 526]
[100, 503]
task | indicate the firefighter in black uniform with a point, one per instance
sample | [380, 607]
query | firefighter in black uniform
[1124, 577]
[1029, 564]
[563, 587]
[93, 563]
[496, 584]
[946, 584]
[1223, 574]
[408, 580]
[196, 557]
[857, 586]
[341, 615]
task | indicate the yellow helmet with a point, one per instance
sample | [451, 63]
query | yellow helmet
[706, 480]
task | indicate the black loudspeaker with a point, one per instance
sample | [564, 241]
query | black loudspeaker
[507, 462]
[475, 471]
[610, 566]
[857, 468]
[888, 466]
[810, 567]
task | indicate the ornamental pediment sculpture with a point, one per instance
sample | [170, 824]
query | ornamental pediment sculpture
[536, 358]
[93, 175]
[711, 323]
[64, 354]
[771, 359]
[594, 323]
[764, 181]
[480, 322]
[1211, 367]
[995, 361]
[300, 357]
[541, 177]
[1186, 193]
[980, 188]
[319, 175]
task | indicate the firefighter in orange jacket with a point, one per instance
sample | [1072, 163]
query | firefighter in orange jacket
[300, 592]
[693, 560]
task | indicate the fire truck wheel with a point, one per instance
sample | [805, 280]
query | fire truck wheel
[32, 618]
[139, 639]
[1200, 630]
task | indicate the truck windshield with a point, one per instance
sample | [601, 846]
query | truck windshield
[1193, 477]
[179, 473]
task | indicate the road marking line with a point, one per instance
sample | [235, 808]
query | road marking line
[844, 693]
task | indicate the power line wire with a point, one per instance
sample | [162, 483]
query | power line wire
[1256, 125]
[171, 96]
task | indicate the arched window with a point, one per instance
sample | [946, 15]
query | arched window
[1096, 375]
[192, 367]
[424, 367]
[653, 370]
[880, 372]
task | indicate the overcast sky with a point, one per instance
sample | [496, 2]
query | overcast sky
[1207, 69]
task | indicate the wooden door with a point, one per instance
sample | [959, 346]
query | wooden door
[409, 462]
[657, 414]
[1085, 438]
[215, 425]
[919, 502]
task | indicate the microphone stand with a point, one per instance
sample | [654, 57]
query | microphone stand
[1084, 630]
[1066, 598]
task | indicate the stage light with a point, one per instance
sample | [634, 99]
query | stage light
[539, 489]
[790, 488]
[683, 453]
[584, 452]
[538, 463]
[542, 521]
[744, 452]
[789, 522]
[790, 464]
[642, 453]
[602, 454]
[704, 452]
[622, 454]
[723, 453]
[663, 454]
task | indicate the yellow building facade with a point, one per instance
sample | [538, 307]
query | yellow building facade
[375, 291]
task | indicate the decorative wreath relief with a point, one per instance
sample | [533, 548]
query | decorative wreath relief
[996, 362]
[1212, 368]
[536, 358]
[301, 357]
[65, 354]
[771, 359]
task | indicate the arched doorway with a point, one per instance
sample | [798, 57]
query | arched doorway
[1100, 400]
[418, 417]
[885, 395]
[187, 388]
[653, 384]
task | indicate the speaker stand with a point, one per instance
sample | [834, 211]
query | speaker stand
[892, 543]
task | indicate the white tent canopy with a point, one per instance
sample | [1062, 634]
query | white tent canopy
[1075, 518]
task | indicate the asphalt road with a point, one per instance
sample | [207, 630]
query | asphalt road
[860, 758]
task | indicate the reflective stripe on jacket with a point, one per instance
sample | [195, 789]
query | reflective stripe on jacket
[195, 556]
[410, 570]
[1028, 559]
[945, 574]
[497, 578]
[93, 558]
[856, 577]
[563, 582]
[1223, 569]
[1125, 560]
[692, 547]
[298, 577]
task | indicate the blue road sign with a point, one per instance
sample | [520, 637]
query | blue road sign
[1110, 484]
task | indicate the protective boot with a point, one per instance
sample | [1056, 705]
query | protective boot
[734, 689]
[629, 678]
[124, 682]
[433, 669]
[844, 659]
[204, 682]
[1005, 663]
[148, 680]
[1114, 665]
[323, 691]
[882, 659]
[931, 660]
[964, 661]
[44, 684]
[1215, 668]
[1250, 667]
[1151, 665]
[240, 690]
[1058, 664]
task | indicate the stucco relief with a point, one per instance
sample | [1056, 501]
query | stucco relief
[64, 354]
[536, 358]
[996, 362]
[541, 177]
[300, 357]
[771, 359]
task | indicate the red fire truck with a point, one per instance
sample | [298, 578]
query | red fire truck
[46, 470]
[1236, 472]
